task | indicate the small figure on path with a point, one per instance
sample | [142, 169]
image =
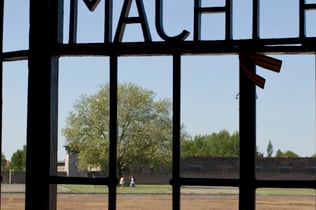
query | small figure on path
[132, 181]
[121, 182]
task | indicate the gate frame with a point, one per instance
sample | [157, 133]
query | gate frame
[45, 49]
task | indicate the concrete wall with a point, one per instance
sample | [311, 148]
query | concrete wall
[197, 167]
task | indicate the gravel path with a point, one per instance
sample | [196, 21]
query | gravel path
[20, 188]
[12, 188]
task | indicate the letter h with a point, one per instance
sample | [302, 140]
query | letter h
[303, 7]
[199, 10]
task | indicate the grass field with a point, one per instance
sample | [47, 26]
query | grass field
[159, 197]
[166, 189]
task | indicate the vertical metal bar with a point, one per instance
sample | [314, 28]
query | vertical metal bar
[176, 131]
[108, 16]
[1, 86]
[315, 113]
[113, 133]
[38, 110]
[302, 19]
[56, 37]
[197, 21]
[255, 19]
[247, 131]
[45, 33]
[73, 16]
[53, 131]
[229, 17]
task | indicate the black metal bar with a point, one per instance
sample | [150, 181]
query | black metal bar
[196, 21]
[229, 20]
[303, 6]
[247, 132]
[15, 55]
[271, 46]
[301, 19]
[113, 133]
[38, 110]
[212, 9]
[1, 89]
[55, 32]
[73, 17]
[176, 122]
[108, 16]
[255, 19]
[310, 6]
[45, 33]
[305, 46]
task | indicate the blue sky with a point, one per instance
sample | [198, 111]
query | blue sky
[285, 107]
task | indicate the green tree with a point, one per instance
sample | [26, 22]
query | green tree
[220, 144]
[278, 153]
[258, 153]
[198, 146]
[3, 162]
[269, 149]
[286, 154]
[18, 160]
[144, 129]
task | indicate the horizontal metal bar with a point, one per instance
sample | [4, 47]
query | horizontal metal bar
[273, 46]
[212, 9]
[277, 46]
[310, 6]
[15, 55]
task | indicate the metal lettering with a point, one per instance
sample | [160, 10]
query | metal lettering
[124, 19]
[199, 10]
[159, 26]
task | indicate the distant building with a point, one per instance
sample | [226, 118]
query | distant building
[71, 164]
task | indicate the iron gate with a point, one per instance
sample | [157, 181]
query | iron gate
[46, 47]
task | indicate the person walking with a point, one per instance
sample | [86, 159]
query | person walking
[132, 181]
[121, 182]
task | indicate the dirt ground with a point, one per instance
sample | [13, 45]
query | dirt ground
[15, 201]
[12, 198]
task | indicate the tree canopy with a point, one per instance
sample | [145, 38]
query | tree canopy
[18, 160]
[144, 132]
[144, 128]
[220, 144]
[286, 154]
[3, 162]
[269, 149]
